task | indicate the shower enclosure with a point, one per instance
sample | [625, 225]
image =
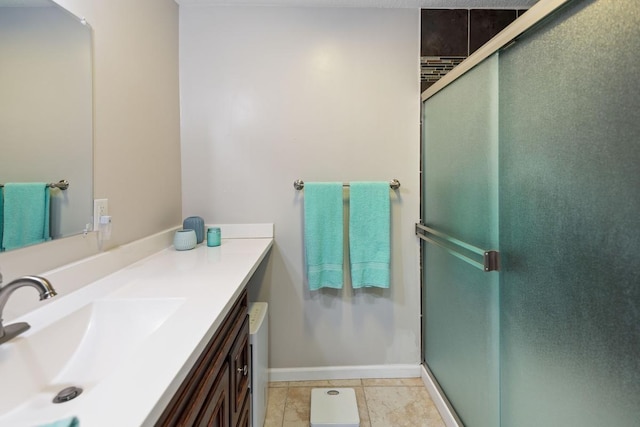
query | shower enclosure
[531, 224]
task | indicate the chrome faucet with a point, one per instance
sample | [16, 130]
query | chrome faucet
[40, 283]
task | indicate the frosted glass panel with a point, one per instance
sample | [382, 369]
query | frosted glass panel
[460, 198]
[570, 220]
[461, 157]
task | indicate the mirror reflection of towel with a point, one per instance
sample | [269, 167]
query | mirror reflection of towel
[1, 218]
[26, 214]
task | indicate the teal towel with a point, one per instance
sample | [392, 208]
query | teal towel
[67, 422]
[369, 234]
[26, 214]
[323, 229]
[1, 217]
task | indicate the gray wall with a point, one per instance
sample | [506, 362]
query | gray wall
[269, 95]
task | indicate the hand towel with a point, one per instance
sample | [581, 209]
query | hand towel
[1, 217]
[67, 422]
[323, 229]
[26, 214]
[369, 234]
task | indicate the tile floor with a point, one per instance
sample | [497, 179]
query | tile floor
[381, 403]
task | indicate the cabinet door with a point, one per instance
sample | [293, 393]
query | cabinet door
[217, 413]
[244, 418]
[240, 372]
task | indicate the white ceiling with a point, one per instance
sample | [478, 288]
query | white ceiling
[498, 4]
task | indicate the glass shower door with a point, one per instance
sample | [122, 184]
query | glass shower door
[554, 338]
[460, 221]
[570, 220]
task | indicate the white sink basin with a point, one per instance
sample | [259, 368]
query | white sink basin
[79, 349]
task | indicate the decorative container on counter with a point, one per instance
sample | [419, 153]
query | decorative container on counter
[184, 240]
[197, 224]
[213, 236]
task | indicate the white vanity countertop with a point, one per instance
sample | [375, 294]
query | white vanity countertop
[204, 281]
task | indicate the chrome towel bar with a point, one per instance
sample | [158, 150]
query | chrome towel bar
[63, 184]
[298, 184]
[490, 258]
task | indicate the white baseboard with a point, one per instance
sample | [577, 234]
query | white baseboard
[449, 418]
[344, 372]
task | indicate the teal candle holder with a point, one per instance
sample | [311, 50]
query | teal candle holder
[213, 236]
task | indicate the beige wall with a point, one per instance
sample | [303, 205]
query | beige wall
[270, 95]
[136, 128]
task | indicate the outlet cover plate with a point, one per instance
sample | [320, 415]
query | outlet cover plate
[100, 208]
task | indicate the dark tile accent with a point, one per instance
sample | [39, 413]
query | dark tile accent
[486, 23]
[432, 68]
[444, 32]
[520, 12]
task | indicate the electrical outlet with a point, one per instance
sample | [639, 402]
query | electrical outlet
[100, 208]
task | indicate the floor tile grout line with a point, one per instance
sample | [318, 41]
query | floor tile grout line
[284, 407]
[366, 404]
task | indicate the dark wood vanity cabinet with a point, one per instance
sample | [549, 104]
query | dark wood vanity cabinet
[215, 393]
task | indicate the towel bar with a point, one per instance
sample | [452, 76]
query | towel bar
[298, 184]
[63, 184]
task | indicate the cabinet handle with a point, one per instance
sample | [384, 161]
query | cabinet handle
[243, 370]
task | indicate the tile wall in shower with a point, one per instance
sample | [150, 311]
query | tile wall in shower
[448, 36]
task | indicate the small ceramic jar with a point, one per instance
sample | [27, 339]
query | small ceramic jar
[184, 240]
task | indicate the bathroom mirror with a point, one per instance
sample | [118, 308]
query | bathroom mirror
[46, 107]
